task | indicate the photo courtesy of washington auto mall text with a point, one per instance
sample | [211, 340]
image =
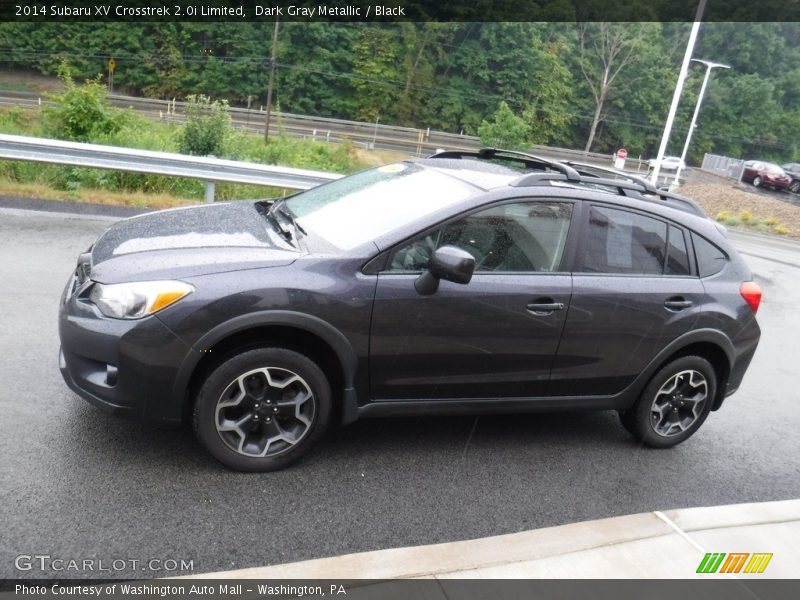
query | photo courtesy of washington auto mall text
[174, 589]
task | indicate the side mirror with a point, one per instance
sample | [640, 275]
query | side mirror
[448, 263]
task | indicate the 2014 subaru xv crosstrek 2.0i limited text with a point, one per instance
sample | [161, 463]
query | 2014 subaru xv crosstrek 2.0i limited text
[462, 283]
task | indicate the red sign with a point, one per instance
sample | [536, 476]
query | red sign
[622, 153]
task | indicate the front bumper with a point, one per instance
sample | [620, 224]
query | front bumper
[781, 184]
[124, 367]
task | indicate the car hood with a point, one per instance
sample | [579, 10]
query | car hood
[186, 242]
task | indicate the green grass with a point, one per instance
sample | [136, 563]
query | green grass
[16, 86]
[136, 131]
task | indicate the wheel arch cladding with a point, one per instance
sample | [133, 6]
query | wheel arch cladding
[306, 335]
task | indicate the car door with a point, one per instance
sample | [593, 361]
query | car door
[494, 337]
[634, 291]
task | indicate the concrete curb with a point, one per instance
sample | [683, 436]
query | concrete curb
[647, 545]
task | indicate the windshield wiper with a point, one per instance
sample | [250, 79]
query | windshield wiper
[276, 223]
[280, 208]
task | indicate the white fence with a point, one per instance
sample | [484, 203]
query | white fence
[724, 165]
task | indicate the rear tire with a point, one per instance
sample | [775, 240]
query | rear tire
[263, 409]
[674, 404]
[757, 181]
[794, 187]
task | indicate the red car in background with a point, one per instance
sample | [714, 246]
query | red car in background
[761, 173]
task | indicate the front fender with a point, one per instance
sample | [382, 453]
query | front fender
[314, 325]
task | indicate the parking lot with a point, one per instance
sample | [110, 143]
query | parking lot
[78, 484]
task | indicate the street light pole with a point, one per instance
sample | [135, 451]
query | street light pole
[676, 96]
[709, 65]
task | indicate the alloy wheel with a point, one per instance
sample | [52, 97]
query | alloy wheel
[265, 412]
[679, 403]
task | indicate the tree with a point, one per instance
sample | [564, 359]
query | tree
[420, 48]
[207, 128]
[506, 130]
[375, 73]
[597, 85]
[606, 49]
[81, 112]
[311, 75]
[551, 90]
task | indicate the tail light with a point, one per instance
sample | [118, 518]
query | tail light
[751, 292]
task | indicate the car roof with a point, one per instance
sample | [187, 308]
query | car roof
[763, 163]
[482, 174]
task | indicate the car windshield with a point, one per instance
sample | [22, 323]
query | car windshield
[365, 206]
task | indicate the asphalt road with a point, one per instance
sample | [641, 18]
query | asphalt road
[78, 484]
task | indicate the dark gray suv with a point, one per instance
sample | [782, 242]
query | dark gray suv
[462, 283]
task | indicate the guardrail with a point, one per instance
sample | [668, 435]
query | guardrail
[210, 170]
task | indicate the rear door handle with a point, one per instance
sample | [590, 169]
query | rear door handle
[678, 303]
[545, 307]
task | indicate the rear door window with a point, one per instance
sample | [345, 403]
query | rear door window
[624, 242]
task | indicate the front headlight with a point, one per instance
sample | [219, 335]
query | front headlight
[137, 299]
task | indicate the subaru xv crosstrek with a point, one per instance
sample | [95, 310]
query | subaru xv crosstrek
[481, 282]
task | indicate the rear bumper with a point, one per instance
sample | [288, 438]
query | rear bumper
[744, 356]
[739, 369]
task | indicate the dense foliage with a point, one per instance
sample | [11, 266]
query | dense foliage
[207, 128]
[597, 85]
[81, 112]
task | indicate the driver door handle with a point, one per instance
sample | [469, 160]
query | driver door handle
[544, 306]
[677, 303]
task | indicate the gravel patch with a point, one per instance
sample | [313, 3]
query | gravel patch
[722, 197]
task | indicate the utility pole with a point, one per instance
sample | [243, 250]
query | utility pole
[271, 78]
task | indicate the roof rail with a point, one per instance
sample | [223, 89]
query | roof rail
[530, 160]
[664, 194]
[623, 188]
[581, 167]
[577, 173]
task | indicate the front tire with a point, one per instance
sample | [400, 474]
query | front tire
[794, 187]
[263, 409]
[674, 404]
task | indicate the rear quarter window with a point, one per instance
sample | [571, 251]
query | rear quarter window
[710, 259]
[677, 256]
